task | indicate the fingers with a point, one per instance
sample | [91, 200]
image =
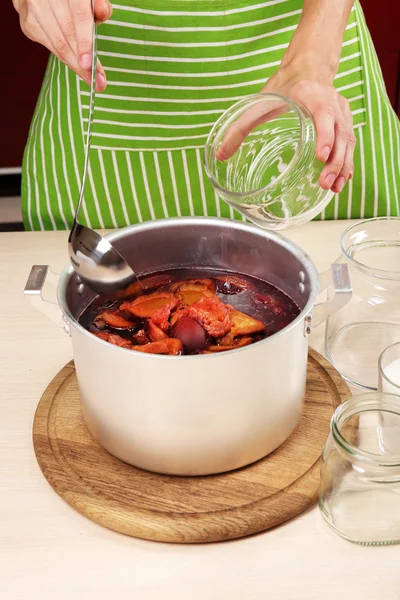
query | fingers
[335, 162]
[348, 165]
[324, 118]
[82, 21]
[40, 25]
[53, 24]
[66, 22]
[340, 163]
[102, 10]
[82, 17]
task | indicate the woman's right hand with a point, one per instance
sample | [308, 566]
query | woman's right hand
[65, 27]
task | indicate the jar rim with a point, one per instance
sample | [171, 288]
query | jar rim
[381, 368]
[360, 404]
[253, 99]
[380, 273]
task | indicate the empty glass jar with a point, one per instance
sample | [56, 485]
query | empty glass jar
[272, 175]
[358, 333]
[360, 472]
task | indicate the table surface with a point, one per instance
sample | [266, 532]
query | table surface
[47, 550]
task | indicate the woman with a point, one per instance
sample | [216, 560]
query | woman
[168, 69]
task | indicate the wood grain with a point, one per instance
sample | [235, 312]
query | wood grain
[183, 509]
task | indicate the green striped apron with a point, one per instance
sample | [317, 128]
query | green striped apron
[172, 68]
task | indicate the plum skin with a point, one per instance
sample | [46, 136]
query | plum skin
[192, 335]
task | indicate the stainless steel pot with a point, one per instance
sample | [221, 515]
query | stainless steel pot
[196, 415]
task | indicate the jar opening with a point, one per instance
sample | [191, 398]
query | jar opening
[373, 246]
[272, 129]
[367, 428]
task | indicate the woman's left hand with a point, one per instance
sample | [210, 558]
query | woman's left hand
[333, 121]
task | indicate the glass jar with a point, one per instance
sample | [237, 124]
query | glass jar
[358, 333]
[272, 178]
[359, 493]
[389, 370]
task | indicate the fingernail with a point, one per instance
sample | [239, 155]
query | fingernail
[221, 154]
[351, 175]
[340, 184]
[325, 153]
[329, 179]
[86, 61]
[100, 81]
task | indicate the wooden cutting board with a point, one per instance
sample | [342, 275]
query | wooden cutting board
[183, 509]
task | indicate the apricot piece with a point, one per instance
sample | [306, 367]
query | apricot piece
[103, 335]
[243, 324]
[226, 340]
[192, 335]
[244, 341]
[140, 338]
[113, 320]
[134, 289]
[161, 317]
[212, 314]
[144, 307]
[189, 293]
[125, 306]
[169, 346]
[194, 281]
[113, 338]
[153, 332]
[145, 284]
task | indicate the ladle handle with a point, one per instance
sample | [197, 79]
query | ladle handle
[90, 118]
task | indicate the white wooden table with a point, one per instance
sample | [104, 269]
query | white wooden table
[48, 551]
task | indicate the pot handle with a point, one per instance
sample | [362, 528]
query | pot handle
[339, 276]
[41, 278]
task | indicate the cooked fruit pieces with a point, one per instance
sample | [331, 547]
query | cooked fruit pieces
[170, 346]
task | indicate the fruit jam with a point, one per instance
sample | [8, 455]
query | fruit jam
[190, 311]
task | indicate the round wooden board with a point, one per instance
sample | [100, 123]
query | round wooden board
[183, 509]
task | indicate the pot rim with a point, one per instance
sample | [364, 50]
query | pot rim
[194, 221]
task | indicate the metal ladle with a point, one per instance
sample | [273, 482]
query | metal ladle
[99, 265]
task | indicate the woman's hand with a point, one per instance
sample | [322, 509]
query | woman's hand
[332, 117]
[306, 75]
[65, 27]
[333, 121]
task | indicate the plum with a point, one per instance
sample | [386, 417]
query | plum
[192, 335]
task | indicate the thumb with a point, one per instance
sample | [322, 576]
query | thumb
[262, 112]
[102, 10]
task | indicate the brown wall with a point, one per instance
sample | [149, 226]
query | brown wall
[23, 64]
[383, 18]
